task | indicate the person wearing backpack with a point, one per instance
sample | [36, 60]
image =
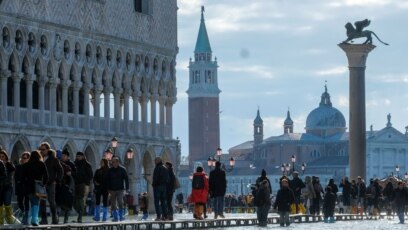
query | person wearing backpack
[199, 194]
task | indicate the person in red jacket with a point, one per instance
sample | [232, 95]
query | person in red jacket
[199, 192]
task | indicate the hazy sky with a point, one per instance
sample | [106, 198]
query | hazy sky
[277, 54]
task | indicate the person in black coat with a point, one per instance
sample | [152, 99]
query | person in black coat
[170, 190]
[263, 202]
[82, 180]
[160, 179]
[117, 183]
[400, 196]
[217, 189]
[101, 190]
[346, 193]
[7, 190]
[284, 199]
[34, 170]
[264, 177]
[55, 174]
[329, 204]
[23, 200]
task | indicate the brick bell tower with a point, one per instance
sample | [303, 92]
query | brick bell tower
[203, 100]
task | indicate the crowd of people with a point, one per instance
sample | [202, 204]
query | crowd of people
[295, 196]
[46, 176]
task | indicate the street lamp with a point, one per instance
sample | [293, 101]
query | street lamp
[212, 161]
[114, 144]
[219, 152]
[303, 168]
[283, 169]
[397, 169]
[293, 159]
[129, 154]
[287, 167]
[406, 176]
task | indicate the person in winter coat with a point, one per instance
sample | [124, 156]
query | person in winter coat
[263, 202]
[23, 200]
[7, 191]
[83, 180]
[262, 178]
[199, 194]
[346, 193]
[218, 187]
[160, 179]
[400, 199]
[361, 192]
[284, 199]
[309, 194]
[117, 184]
[388, 194]
[318, 191]
[66, 191]
[170, 190]
[34, 170]
[55, 174]
[329, 204]
[296, 184]
[101, 190]
[333, 186]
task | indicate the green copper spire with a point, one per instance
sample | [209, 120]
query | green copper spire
[203, 43]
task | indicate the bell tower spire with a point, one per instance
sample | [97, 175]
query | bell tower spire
[203, 99]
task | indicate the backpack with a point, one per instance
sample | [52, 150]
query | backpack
[198, 182]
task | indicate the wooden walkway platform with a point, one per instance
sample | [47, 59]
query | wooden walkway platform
[185, 223]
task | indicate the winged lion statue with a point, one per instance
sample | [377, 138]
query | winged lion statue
[358, 32]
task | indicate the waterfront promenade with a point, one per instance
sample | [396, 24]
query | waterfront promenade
[233, 221]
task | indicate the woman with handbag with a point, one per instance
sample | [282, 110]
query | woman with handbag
[6, 211]
[34, 176]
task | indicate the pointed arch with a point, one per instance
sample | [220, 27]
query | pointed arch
[39, 67]
[13, 63]
[26, 67]
[91, 152]
[73, 73]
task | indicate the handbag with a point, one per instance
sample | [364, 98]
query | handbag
[40, 190]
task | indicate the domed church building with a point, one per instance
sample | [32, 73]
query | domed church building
[321, 151]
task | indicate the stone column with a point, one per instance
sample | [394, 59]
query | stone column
[153, 122]
[16, 102]
[97, 106]
[143, 105]
[135, 97]
[86, 89]
[53, 101]
[65, 85]
[357, 56]
[3, 84]
[162, 102]
[117, 112]
[126, 111]
[169, 117]
[76, 88]
[29, 98]
[106, 92]
[41, 98]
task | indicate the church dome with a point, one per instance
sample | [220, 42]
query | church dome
[325, 120]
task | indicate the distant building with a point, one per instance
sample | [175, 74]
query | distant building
[322, 149]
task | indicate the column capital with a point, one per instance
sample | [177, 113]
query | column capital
[5, 73]
[357, 53]
[29, 78]
[117, 91]
[171, 100]
[42, 80]
[17, 76]
[54, 82]
[107, 89]
[65, 84]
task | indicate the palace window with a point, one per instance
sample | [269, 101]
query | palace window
[142, 6]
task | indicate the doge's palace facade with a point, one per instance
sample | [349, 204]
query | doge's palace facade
[77, 73]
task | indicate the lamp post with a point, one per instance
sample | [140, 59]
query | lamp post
[283, 169]
[212, 161]
[406, 176]
[303, 167]
[293, 159]
[397, 169]
[114, 144]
